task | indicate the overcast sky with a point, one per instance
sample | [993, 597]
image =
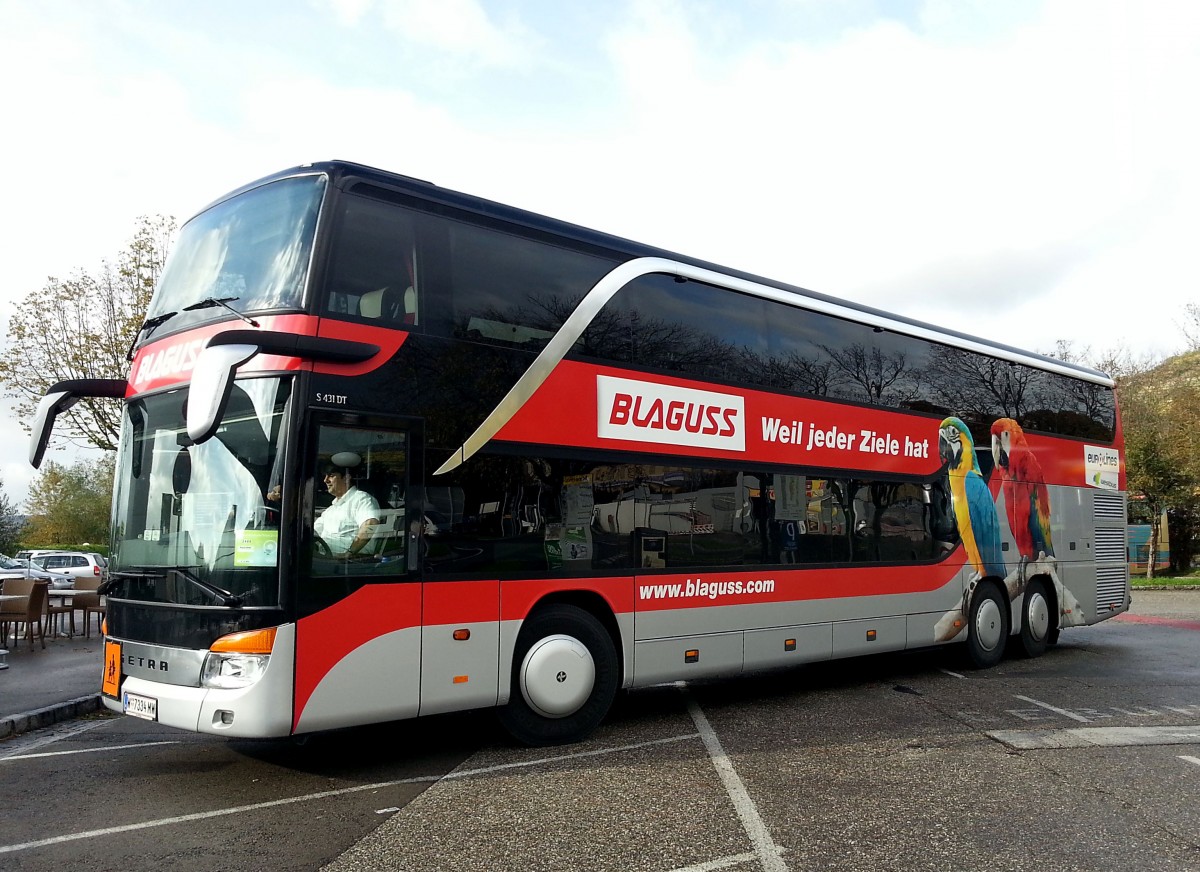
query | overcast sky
[1021, 170]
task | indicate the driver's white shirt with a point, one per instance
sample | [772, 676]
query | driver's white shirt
[339, 523]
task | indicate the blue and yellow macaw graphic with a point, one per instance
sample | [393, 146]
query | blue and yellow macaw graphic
[1026, 498]
[974, 509]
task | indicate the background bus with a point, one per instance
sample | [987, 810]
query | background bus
[1138, 541]
[465, 456]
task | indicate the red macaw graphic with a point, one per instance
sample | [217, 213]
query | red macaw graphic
[1026, 499]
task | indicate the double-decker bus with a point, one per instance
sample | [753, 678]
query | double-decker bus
[390, 450]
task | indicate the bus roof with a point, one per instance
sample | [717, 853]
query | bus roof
[345, 173]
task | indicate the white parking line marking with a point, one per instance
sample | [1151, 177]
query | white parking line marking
[1195, 760]
[722, 863]
[1093, 737]
[324, 794]
[1058, 711]
[49, 736]
[467, 773]
[760, 837]
[106, 748]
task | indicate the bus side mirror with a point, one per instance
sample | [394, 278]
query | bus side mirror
[48, 409]
[212, 380]
[60, 397]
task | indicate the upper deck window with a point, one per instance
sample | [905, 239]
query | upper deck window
[253, 248]
[416, 270]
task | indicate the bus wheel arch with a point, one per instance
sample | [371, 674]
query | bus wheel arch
[565, 675]
[987, 625]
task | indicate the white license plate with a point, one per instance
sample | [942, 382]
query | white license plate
[145, 707]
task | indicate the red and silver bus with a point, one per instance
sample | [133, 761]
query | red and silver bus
[390, 450]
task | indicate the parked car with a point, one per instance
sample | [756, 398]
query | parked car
[73, 563]
[30, 553]
[10, 568]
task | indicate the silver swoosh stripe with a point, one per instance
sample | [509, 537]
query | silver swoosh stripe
[595, 299]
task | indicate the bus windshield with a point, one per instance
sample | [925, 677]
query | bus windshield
[199, 524]
[253, 248]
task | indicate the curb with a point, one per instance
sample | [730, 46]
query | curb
[12, 725]
[1138, 587]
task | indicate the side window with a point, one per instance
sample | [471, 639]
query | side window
[374, 273]
[358, 513]
[512, 291]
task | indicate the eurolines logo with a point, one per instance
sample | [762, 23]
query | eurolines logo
[1102, 466]
[648, 412]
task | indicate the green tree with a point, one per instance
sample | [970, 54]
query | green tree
[80, 328]
[69, 505]
[1160, 413]
[12, 525]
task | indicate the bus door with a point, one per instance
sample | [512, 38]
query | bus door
[358, 594]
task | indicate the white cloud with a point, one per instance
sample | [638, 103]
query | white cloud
[1025, 171]
[461, 28]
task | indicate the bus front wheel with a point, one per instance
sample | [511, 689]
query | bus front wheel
[987, 627]
[564, 677]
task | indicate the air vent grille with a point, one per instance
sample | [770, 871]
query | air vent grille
[1109, 507]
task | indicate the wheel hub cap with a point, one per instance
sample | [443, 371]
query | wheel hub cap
[989, 625]
[557, 676]
[1037, 616]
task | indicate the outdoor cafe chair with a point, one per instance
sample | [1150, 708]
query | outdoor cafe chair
[55, 613]
[29, 612]
[14, 609]
[91, 603]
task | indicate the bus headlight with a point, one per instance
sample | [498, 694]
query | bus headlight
[238, 660]
[233, 670]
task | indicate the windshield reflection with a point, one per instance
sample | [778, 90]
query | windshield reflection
[210, 510]
[253, 248]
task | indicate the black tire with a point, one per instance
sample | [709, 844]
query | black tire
[564, 677]
[987, 627]
[1037, 619]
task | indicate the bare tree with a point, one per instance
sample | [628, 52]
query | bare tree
[1191, 326]
[81, 328]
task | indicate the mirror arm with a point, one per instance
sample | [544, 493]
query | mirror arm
[60, 397]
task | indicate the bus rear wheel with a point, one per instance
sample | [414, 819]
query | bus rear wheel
[564, 677]
[1037, 622]
[987, 627]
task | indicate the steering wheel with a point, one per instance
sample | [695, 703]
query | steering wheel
[322, 547]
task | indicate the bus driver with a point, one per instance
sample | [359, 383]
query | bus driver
[347, 524]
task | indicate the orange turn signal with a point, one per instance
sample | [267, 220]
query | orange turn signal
[462, 635]
[247, 642]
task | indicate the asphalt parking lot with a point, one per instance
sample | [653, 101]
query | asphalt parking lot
[1087, 758]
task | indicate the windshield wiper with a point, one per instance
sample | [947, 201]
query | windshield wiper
[148, 324]
[224, 597]
[209, 302]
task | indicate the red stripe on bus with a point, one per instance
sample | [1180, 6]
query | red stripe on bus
[517, 598]
[323, 639]
[170, 360]
[389, 340]
[715, 587]
[778, 428]
[461, 602]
